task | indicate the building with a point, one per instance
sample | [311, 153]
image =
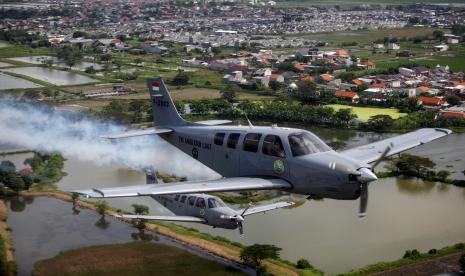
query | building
[432, 102]
[393, 46]
[440, 48]
[347, 95]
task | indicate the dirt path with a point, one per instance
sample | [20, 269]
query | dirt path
[4, 231]
[208, 246]
[439, 265]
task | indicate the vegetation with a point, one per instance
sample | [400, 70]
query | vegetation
[410, 257]
[141, 258]
[364, 113]
[253, 255]
[7, 268]
[102, 207]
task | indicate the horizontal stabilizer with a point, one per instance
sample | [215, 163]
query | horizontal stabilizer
[214, 122]
[397, 144]
[218, 185]
[135, 133]
[164, 218]
[264, 208]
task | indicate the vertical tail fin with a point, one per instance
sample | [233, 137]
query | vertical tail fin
[164, 111]
[150, 176]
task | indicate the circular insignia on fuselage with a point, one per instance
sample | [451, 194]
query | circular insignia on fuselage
[195, 153]
[278, 167]
[202, 212]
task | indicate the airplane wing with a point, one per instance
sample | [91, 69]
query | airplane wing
[218, 185]
[165, 218]
[371, 152]
[264, 208]
[134, 133]
[214, 122]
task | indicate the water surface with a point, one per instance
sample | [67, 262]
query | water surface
[53, 76]
[9, 82]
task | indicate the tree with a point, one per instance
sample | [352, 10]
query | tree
[303, 264]
[307, 91]
[274, 85]
[90, 70]
[442, 175]
[102, 207]
[438, 35]
[380, 122]
[458, 29]
[413, 165]
[253, 255]
[180, 79]
[228, 93]
[74, 198]
[453, 100]
[411, 254]
[344, 116]
[140, 209]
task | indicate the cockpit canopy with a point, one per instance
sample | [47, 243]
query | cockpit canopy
[303, 143]
[215, 203]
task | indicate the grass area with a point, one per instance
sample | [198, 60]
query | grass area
[386, 266]
[342, 3]
[135, 258]
[7, 268]
[22, 50]
[363, 37]
[364, 113]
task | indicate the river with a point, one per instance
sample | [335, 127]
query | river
[402, 213]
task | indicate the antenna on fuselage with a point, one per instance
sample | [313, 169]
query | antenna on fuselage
[248, 121]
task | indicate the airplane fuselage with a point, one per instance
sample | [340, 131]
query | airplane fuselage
[243, 151]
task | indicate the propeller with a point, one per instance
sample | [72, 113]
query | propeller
[366, 176]
[238, 218]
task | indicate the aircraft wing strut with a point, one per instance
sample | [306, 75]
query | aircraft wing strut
[218, 185]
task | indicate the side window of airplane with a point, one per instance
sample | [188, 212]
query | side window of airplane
[176, 197]
[183, 199]
[251, 141]
[233, 139]
[273, 146]
[191, 200]
[219, 138]
[200, 202]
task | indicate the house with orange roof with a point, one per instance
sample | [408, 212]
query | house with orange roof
[347, 95]
[367, 64]
[357, 82]
[454, 112]
[277, 77]
[341, 53]
[324, 78]
[308, 78]
[299, 67]
[432, 101]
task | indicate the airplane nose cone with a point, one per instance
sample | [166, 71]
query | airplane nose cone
[239, 218]
[366, 175]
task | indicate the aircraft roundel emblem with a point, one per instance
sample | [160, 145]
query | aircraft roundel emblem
[195, 153]
[202, 212]
[278, 167]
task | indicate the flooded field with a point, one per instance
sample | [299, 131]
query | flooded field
[81, 66]
[43, 227]
[52, 76]
[4, 64]
[8, 82]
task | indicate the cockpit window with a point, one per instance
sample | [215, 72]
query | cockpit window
[214, 203]
[304, 143]
[183, 199]
[233, 139]
[273, 146]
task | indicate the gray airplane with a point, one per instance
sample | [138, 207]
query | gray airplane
[203, 208]
[264, 158]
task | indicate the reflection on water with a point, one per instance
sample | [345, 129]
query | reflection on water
[414, 186]
[42, 227]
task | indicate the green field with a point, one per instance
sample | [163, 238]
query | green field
[135, 258]
[342, 3]
[364, 113]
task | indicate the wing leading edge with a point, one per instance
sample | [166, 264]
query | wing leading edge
[135, 133]
[265, 208]
[371, 152]
[219, 185]
[164, 218]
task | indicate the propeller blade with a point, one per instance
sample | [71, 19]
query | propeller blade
[241, 228]
[363, 200]
[383, 155]
[247, 208]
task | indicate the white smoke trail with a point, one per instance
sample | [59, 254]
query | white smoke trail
[41, 129]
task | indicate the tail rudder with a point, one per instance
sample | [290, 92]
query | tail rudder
[164, 110]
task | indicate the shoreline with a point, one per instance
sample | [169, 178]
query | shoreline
[5, 232]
